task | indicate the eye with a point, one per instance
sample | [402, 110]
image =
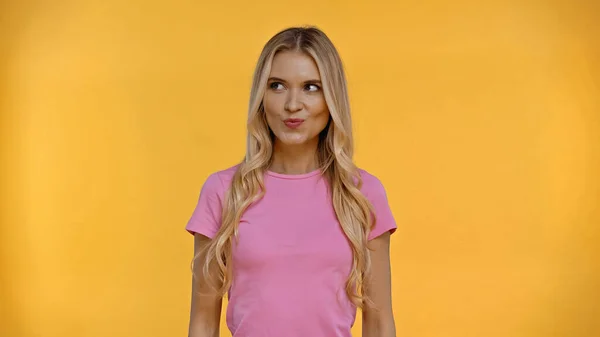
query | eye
[276, 86]
[312, 87]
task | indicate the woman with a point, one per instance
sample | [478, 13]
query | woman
[295, 234]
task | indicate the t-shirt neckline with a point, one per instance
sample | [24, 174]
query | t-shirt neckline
[294, 176]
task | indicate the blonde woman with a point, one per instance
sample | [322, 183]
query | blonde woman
[295, 234]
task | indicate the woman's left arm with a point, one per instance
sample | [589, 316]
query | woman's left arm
[379, 321]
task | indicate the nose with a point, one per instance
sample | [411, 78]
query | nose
[293, 102]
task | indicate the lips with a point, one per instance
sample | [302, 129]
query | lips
[293, 123]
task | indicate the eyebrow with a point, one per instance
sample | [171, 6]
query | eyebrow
[277, 79]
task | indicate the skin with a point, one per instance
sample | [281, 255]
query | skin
[294, 90]
[379, 323]
[205, 313]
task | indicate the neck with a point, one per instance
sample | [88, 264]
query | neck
[294, 159]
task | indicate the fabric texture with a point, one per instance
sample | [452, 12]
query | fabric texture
[292, 258]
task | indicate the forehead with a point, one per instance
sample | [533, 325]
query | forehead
[292, 66]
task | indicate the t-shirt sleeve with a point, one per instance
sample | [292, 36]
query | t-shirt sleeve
[384, 219]
[206, 218]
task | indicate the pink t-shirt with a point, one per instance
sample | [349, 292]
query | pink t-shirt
[292, 259]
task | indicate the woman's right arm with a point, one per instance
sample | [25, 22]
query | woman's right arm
[205, 313]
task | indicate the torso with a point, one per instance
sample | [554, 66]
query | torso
[291, 259]
[291, 263]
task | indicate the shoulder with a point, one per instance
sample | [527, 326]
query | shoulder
[371, 184]
[225, 175]
[219, 181]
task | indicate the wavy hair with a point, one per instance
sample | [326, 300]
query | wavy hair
[335, 150]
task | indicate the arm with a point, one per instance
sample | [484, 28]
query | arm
[379, 321]
[205, 313]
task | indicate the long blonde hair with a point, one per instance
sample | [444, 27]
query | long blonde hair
[354, 212]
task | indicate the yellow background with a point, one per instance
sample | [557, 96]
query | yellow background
[481, 118]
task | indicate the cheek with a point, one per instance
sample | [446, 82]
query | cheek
[321, 115]
[321, 122]
[272, 108]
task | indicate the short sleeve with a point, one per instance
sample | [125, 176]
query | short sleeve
[206, 217]
[376, 194]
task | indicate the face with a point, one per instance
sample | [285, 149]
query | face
[294, 102]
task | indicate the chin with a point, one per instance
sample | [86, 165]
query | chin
[292, 139]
